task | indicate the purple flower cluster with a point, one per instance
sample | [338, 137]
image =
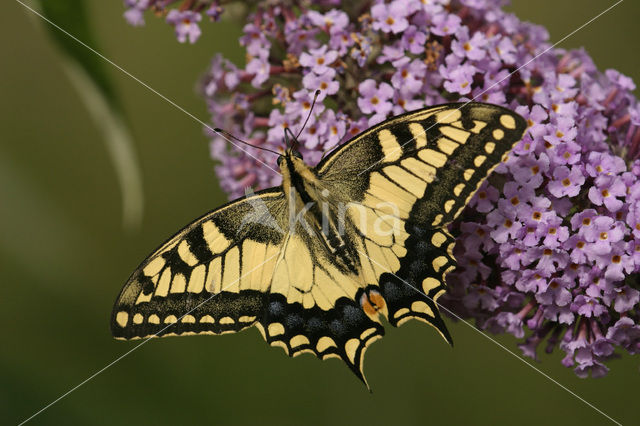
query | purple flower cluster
[184, 18]
[549, 248]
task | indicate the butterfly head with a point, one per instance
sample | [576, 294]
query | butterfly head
[291, 155]
[293, 168]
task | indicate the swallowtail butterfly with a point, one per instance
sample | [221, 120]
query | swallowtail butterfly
[316, 262]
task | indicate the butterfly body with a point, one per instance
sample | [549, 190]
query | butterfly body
[315, 263]
[316, 212]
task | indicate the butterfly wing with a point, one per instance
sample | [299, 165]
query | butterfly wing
[418, 170]
[210, 277]
[239, 266]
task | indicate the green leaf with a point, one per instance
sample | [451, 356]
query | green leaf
[69, 29]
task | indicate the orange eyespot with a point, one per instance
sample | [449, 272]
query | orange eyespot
[367, 307]
[373, 304]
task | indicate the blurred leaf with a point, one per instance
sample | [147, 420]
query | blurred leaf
[87, 73]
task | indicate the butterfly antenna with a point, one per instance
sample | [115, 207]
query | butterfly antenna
[315, 97]
[328, 150]
[289, 138]
[228, 136]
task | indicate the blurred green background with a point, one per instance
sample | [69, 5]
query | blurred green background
[64, 256]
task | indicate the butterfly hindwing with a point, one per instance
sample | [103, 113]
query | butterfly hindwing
[344, 331]
[413, 290]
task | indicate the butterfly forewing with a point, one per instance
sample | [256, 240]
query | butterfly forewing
[208, 277]
[438, 156]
